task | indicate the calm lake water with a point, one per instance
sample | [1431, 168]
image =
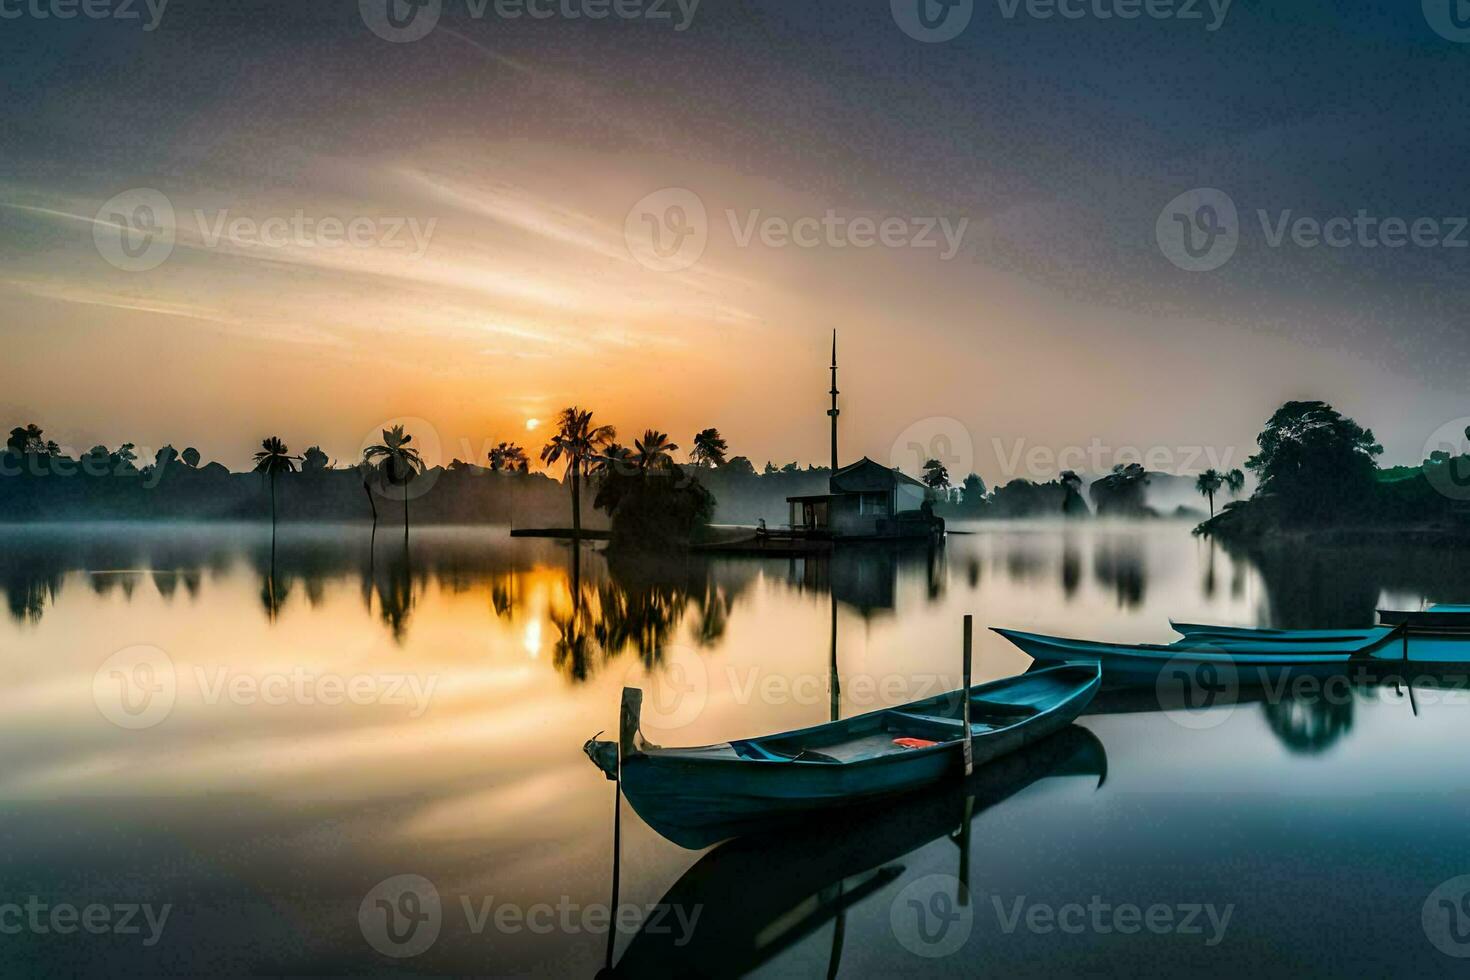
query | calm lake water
[258, 744]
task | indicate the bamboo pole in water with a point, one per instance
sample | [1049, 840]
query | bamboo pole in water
[965, 695]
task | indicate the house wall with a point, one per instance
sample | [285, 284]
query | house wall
[909, 498]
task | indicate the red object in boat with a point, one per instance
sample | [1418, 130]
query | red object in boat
[914, 743]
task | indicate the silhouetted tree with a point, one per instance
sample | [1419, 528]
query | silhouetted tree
[274, 458]
[973, 490]
[709, 448]
[27, 440]
[936, 475]
[1212, 480]
[740, 466]
[1315, 459]
[655, 451]
[397, 462]
[314, 460]
[190, 457]
[615, 458]
[509, 456]
[577, 440]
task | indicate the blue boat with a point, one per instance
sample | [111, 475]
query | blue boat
[1241, 661]
[880, 753]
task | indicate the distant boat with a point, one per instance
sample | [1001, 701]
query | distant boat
[1262, 660]
[1439, 634]
[879, 753]
[1438, 637]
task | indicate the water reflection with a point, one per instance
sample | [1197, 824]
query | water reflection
[762, 894]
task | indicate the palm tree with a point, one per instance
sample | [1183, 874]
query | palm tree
[614, 459]
[654, 450]
[709, 448]
[578, 441]
[367, 472]
[274, 458]
[1211, 481]
[397, 462]
[509, 456]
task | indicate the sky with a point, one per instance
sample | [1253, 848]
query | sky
[177, 189]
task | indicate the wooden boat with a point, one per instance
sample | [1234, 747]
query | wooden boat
[764, 894]
[871, 755]
[1235, 661]
[1439, 635]
[1282, 638]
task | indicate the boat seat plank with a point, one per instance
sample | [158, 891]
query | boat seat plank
[924, 726]
[1001, 709]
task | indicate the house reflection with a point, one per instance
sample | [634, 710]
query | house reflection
[865, 576]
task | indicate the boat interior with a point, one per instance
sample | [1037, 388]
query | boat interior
[921, 725]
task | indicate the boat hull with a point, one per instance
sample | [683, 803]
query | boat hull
[687, 792]
[1237, 664]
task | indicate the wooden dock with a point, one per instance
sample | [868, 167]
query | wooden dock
[561, 533]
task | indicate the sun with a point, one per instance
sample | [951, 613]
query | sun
[532, 425]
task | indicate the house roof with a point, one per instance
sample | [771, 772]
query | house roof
[866, 476]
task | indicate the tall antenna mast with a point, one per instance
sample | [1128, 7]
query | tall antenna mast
[833, 412]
